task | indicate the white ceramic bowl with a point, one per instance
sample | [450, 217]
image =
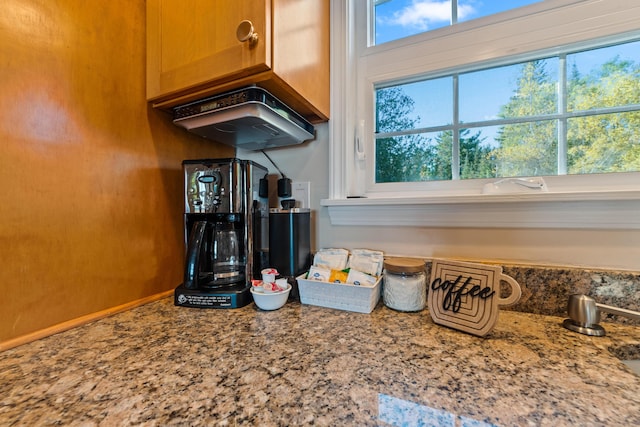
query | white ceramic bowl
[270, 300]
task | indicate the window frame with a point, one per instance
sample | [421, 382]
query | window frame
[597, 201]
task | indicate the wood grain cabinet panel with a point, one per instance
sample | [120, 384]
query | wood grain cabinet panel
[193, 51]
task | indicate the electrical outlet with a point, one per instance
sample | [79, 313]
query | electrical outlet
[301, 192]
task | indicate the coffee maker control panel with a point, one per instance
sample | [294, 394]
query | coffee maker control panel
[206, 192]
[212, 188]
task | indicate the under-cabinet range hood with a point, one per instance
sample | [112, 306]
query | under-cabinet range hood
[249, 118]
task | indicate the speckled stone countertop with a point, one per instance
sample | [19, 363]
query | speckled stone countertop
[306, 365]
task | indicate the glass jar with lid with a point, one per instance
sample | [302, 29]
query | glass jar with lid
[405, 284]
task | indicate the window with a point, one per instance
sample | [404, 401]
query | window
[575, 113]
[442, 71]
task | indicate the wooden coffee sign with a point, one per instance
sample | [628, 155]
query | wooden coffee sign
[466, 296]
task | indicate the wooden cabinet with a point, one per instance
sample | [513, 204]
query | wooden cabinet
[193, 51]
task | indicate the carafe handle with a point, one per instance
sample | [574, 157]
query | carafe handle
[193, 255]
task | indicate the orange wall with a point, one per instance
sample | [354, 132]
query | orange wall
[91, 209]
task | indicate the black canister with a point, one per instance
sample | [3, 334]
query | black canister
[290, 243]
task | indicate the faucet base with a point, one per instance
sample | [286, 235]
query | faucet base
[594, 330]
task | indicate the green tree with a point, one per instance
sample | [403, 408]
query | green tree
[399, 158]
[529, 149]
[607, 142]
[476, 160]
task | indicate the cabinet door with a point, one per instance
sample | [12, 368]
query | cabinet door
[192, 43]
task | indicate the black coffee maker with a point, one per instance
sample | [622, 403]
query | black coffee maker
[226, 232]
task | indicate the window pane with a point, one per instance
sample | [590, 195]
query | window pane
[415, 105]
[396, 19]
[607, 77]
[413, 158]
[478, 152]
[527, 149]
[512, 91]
[604, 143]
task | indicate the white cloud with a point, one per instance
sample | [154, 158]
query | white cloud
[421, 13]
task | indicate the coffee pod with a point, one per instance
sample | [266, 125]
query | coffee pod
[269, 275]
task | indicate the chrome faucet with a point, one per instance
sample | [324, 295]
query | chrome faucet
[584, 315]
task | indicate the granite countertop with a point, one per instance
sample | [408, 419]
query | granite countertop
[304, 365]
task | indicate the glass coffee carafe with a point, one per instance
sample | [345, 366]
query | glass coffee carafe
[227, 257]
[215, 256]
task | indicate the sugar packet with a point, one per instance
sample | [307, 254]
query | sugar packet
[367, 261]
[333, 259]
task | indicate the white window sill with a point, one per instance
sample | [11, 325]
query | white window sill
[576, 210]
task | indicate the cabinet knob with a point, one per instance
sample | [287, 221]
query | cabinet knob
[246, 33]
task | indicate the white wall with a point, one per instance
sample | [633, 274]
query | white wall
[596, 249]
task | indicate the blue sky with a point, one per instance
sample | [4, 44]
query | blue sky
[401, 18]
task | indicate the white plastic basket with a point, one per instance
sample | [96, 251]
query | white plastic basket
[361, 299]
